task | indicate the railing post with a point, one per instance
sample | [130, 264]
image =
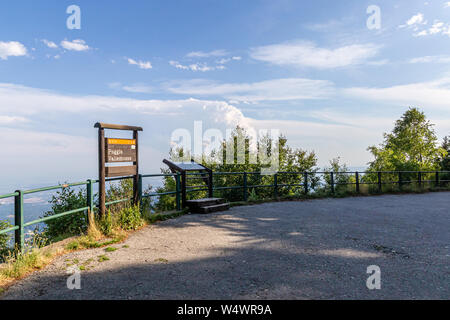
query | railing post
[305, 182]
[357, 181]
[19, 236]
[183, 189]
[210, 184]
[437, 180]
[139, 191]
[332, 182]
[90, 197]
[177, 188]
[245, 187]
[380, 184]
[419, 178]
[400, 180]
[275, 185]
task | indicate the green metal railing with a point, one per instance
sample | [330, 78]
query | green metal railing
[305, 182]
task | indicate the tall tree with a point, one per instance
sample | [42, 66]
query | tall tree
[445, 161]
[412, 145]
[250, 160]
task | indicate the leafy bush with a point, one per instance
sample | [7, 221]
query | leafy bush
[130, 218]
[253, 196]
[105, 223]
[65, 200]
[4, 239]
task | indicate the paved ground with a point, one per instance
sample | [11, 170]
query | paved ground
[318, 249]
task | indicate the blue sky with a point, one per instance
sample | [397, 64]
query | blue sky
[312, 69]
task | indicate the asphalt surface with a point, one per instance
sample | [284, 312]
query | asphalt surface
[316, 249]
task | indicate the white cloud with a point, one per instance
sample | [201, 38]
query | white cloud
[307, 54]
[15, 99]
[438, 27]
[201, 54]
[7, 120]
[141, 64]
[67, 147]
[75, 146]
[431, 59]
[226, 60]
[134, 88]
[277, 89]
[416, 19]
[202, 67]
[138, 88]
[12, 49]
[49, 44]
[433, 94]
[75, 45]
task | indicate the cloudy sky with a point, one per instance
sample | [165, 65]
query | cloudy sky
[312, 69]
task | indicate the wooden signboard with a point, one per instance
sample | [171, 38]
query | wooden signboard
[115, 150]
[120, 150]
[120, 171]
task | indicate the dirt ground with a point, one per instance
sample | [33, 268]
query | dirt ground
[316, 249]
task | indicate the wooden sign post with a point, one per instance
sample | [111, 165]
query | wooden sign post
[115, 150]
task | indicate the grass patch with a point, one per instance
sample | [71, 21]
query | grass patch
[125, 246]
[103, 258]
[18, 265]
[162, 260]
[91, 242]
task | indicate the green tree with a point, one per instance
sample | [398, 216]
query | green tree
[411, 146]
[65, 200]
[445, 160]
[290, 160]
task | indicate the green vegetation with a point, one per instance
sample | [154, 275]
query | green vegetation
[130, 218]
[445, 158]
[65, 200]
[103, 258]
[290, 160]
[4, 240]
[110, 249]
[411, 146]
[17, 265]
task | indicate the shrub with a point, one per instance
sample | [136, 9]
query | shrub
[130, 218]
[105, 223]
[4, 240]
[253, 197]
[65, 200]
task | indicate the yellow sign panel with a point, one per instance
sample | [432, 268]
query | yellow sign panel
[122, 141]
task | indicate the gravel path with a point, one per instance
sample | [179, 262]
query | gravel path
[317, 249]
